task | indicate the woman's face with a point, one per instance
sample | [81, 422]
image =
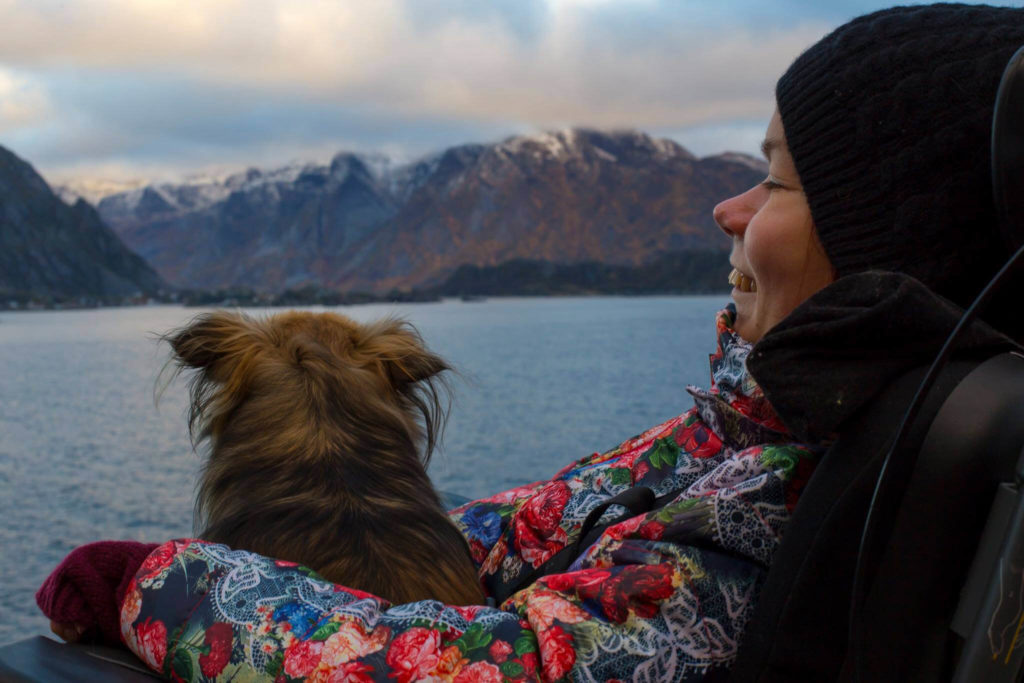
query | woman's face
[777, 259]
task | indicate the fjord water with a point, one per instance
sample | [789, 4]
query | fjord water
[85, 455]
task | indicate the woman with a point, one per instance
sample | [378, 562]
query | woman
[875, 208]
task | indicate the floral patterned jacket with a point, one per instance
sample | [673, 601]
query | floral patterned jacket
[660, 596]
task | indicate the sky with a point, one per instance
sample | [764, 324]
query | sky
[161, 89]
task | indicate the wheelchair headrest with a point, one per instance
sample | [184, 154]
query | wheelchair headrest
[1008, 152]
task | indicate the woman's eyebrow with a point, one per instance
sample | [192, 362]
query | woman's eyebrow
[768, 145]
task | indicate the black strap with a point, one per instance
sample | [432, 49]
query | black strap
[637, 500]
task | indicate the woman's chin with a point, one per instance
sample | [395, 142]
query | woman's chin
[746, 325]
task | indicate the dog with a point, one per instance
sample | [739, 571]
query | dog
[319, 431]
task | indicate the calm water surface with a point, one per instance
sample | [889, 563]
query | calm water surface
[86, 455]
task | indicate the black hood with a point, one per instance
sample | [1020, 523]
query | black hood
[846, 343]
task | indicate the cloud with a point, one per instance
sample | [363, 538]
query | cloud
[178, 81]
[22, 102]
[127, 121]
[563, 63]
[732, 136]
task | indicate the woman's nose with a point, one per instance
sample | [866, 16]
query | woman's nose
[733, 214]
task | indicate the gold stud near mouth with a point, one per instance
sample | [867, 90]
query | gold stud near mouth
[742, 282]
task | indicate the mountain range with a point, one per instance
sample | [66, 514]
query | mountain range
[53, 250]
[363, 222]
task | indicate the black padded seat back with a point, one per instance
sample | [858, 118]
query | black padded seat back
[972, 447]
[798, 631]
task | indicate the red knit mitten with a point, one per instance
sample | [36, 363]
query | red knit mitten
[87, 588]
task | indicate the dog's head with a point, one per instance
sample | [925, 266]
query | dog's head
[322, 366]
[320, 430]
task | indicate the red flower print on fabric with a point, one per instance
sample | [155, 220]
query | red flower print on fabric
[449, 663]
[639, 588]
[529, 662]
[351, 641]
[467, 612]
[358, 594]
[804, 469]
[697, 440]
[652, 531]
[537, 533]
[302, 657]
[499, 651]
[157, 561]
[585, 583]
[130, 609]
[152, 640]
[480, 672]
[218, 638]
[640, 470]
[543, 512]
[623, 529]
[556, 652]
[414, 654]
[349, 672]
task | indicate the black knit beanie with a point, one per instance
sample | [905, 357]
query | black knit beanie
[889, 120]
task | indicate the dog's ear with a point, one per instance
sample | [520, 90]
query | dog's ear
[415, 366]
[413, 371]
[401, 352]
[213, 340]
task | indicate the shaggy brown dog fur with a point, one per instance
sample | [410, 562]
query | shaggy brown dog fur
[316, 427]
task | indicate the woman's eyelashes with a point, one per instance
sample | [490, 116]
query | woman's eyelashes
[772, 184]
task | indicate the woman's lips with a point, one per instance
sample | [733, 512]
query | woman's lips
[742, 282]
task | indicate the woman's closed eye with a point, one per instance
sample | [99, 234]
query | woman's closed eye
[772, 184]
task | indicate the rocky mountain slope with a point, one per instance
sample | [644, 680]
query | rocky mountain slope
[52, 249]
[574, 196]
